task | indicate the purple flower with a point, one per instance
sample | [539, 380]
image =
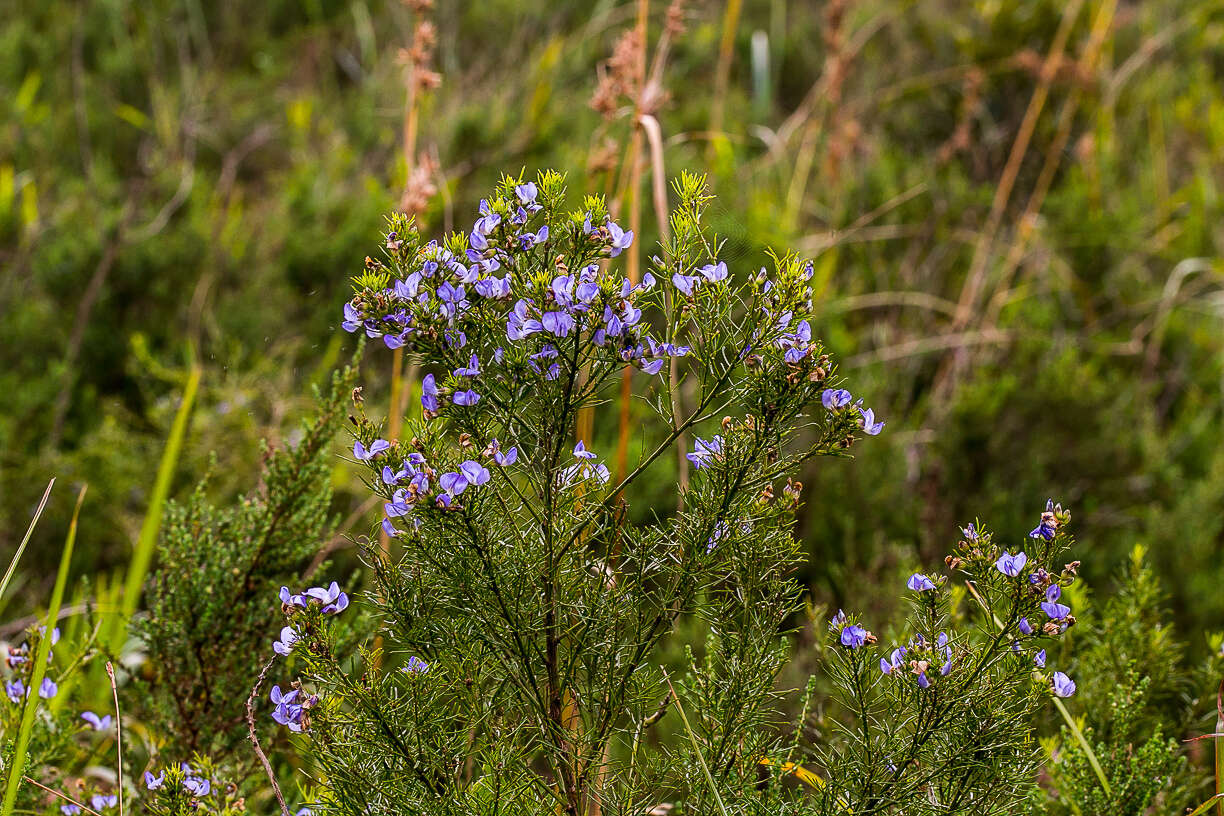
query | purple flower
[686, 283]
[199, 786]
[894, 662]
[970, 532]
[289, 599]
[1064, 686]
[509, 457]
[870, 426]
[1051, 607]
[529, 239]
[352, 318]
[97, 723]
[923, 682]
[103, 801]
[1048, 524]
[714, 272]
[154, 782]
[332, 599]
[287, 710]
[1040, 659]
[835, 398]
[526, 193]
[47, 688]
[415, 665]
[365, 454]
[466, 397]
[705, 451]
[920, 583]
[581, 452]
[558, 324]
[1010, 565]
[475, 473]
[472, 369]
[453, 483]
[853, 636]
[621, 239]
[70, 809]
[284, 646]
[1025, 627]
[429, 394]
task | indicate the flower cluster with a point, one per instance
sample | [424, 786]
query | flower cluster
[839, 399]
[412, 482]
[330, 600]
[434, 293]
[290, 708]
[921, 654]
[1027, 588]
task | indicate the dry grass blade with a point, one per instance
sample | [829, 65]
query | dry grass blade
[12, 567]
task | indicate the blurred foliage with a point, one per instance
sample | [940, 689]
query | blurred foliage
[187, 180]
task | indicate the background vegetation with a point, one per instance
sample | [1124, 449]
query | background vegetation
[1014, 208]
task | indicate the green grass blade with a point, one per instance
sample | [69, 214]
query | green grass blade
[696, 748]
[12, 567]
[1218, 799]
[142, 557]
[30, 708]
[1079, 737]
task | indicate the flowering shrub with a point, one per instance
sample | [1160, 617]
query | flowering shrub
[944, 714]
[522, 614]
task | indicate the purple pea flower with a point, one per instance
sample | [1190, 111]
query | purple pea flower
[284, 646]
[332, 599]
[526, 193]
[686, 283]
[199, 786]
[472, 369]
[352, 318]
[466, 397]
[870, 426]
[1051, 607]
[558, 324]
[1063, 685]
[429, 394]
[1025, 627]
[475, 473]
[853, 636]
[103, 801]
[508, 457]
[920, 583]
[365, 454]
[47, 688]
[1040, 659]
[894, 662]
[154, 782]
[1010, 565]
[714, 272]
[621, 239]
[95, 722]
[705, 451]
[835, 398]
[70, 809]
[415, 665]
[1048, 524]
[581, 452]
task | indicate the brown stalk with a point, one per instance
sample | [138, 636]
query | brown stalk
[1053, 157]
[263, 758]
[1007, 182]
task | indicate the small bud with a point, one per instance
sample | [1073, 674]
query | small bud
[357, 397]
[465, 440]
[726, 423]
